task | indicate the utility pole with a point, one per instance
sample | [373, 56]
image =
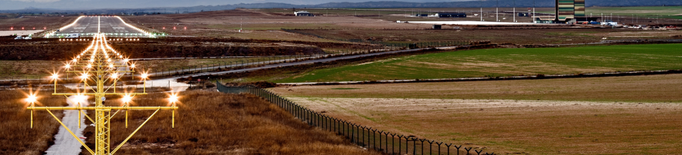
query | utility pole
[481, 10]
[514, 12]
[497, 11]
[534, 11]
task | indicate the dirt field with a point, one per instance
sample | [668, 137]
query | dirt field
[39, 22]
[257, 25]
[16, 135]
[612, 115]
[210, 122]
[520, 126]
[342, 25]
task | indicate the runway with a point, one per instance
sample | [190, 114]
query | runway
[469, 23]
[111, 26]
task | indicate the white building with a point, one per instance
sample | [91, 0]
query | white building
[303, 13]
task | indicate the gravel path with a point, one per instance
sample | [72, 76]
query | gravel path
[65, 143]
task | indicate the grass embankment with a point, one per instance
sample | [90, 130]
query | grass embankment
[217, 123]
[504, 62]
[16, 136]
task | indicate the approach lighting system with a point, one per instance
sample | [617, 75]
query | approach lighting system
[31, 99]
[55, 76]
[84, 76]
[98, 64]
[173, 99]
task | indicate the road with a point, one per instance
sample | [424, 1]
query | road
[65, 143]
[111, 26]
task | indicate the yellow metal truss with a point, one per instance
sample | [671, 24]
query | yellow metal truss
[106, 66]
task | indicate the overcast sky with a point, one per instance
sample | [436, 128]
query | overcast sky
[98, 4]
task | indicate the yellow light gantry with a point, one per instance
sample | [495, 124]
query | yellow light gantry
[101, 64]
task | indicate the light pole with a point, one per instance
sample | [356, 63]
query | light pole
[32, 99]
[497, 11]
[100, 69]
[534, 11]
[514, 12]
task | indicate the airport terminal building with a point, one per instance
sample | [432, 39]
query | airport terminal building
[570, 11]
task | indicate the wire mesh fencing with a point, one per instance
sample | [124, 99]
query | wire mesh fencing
[364, 136]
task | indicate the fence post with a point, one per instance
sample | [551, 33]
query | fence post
[422, 140]
[400, 145]
[352, 133]
[414, 146]
[439, 143]
[458, 148]
[362, 130]
[393, 142]
[430, 146]
[374, 138]
[479, 151]
[380, 132]
[343, 128]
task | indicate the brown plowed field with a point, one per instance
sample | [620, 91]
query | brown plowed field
[39, 22]
[610, 115]
[52, 49]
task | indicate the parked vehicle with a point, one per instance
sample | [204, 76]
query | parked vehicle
[74, 35]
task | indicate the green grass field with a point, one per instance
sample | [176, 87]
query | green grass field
[505, 62]
[653, 12]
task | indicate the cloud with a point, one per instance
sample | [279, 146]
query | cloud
[37, 1]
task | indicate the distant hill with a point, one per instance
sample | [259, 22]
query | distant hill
[375, 4]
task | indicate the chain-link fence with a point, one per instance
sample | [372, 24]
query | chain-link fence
[367, 137]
